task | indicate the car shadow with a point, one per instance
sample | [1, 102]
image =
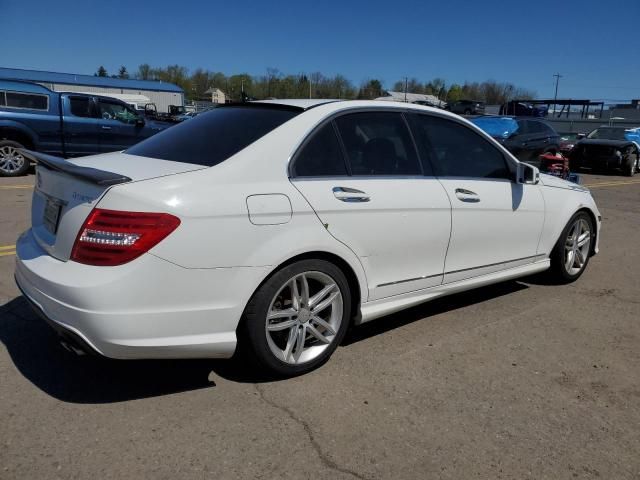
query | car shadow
[34, 349]
[428, 309]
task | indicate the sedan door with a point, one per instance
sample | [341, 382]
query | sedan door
[362, 176]
[120, 127]
[496, 222]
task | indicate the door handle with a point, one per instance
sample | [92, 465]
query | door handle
[467, 195]
[105, 127]
[346, 194]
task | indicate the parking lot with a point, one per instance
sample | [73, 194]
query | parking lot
[518, 380]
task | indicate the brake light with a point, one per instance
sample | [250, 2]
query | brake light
[110, 237]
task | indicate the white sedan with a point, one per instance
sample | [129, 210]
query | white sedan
[277, 225]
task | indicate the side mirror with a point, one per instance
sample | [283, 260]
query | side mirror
[580, 136]
[139, 122]
[527, 174]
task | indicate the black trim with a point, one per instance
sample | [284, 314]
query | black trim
[88, 174]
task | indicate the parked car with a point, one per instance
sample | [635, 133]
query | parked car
[523, 109]
[64, 124]
[608, 148]
[277, 225]
[467, 107]
[526, 138]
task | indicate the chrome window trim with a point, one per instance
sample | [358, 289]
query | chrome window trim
[505, 263]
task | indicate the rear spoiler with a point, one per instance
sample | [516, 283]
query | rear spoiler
[88, 174]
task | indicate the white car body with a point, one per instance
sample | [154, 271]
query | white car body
[243, 218]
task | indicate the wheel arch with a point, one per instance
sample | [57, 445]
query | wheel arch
[594, 220]
[355, 286]
[17, 135]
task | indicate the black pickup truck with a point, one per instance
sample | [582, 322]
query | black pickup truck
[64, 124]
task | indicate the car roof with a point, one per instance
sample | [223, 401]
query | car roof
[302, 103]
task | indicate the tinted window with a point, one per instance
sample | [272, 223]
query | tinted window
[378, 143]
[2, 100]
[27, 100]
[321, 155]
[212, 137]
[458, 151]
[80, 106]
[523, 127]
[537, 127]
[109, 110]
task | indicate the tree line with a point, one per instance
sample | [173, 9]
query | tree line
[275, 84]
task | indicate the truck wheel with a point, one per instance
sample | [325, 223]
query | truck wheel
[630, 165]
[12, 162]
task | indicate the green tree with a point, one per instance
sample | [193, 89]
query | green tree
[122, 73]
[102, 72]
[144, 72]
[370, 89]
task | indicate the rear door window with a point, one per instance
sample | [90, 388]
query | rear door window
[378, 143]
[321, 156]
[212, 137]
[29, 101]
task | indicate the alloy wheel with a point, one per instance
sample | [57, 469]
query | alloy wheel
[304, 317]
[11, 160]
[577, 244]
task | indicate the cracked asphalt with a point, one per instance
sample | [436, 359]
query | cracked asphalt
[518, 380]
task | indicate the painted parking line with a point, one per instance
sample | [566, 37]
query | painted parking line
[611, 184]
[6, 250]
[15, 187]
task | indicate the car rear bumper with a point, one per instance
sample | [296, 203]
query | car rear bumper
[148, 308]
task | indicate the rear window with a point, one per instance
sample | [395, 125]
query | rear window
[29, 101]
[212, 137]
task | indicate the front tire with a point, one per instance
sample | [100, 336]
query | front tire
[631, 165]
[297, 318]
[12, 162]
[570, 255]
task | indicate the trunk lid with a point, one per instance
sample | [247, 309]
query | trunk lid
[67, 190]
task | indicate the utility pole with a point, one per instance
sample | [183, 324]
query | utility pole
[406, 82]
[555, 96]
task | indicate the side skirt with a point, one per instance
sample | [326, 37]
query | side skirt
[386, 306]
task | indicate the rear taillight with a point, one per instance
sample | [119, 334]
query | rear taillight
[110, 237]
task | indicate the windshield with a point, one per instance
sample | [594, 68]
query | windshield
[608, 134]
[212, 137]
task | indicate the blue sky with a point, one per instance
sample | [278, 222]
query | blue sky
[595, 45]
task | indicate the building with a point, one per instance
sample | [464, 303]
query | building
[161, 93]
[217, 95]
[430, 100]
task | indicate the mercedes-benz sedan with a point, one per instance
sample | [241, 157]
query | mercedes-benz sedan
[277, 225]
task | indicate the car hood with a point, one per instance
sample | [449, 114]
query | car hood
[556, 182]
[133, 166]
[608, 143]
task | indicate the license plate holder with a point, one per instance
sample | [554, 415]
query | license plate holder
[51, 216]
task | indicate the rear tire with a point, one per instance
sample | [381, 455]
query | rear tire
[12, 162]
[570, 256]
[297, 318]
[631, 165]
